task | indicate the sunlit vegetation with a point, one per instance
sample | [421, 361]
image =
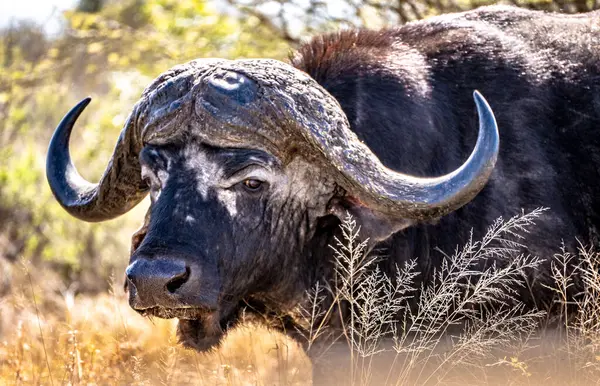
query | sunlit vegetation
[50, 336]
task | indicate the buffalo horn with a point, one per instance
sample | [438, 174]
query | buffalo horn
[119, 189]
[405, 196]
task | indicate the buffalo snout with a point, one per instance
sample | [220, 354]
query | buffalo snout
[160, 282]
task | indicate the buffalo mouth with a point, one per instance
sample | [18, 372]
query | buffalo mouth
[198, 328]
[187, 313]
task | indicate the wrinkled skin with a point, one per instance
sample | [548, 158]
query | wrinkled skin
[226, 213]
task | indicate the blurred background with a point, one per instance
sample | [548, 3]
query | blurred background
[53, 53]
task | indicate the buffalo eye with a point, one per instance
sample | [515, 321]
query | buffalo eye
[252, 184]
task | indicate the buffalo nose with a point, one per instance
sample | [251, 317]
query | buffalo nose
[157, 282]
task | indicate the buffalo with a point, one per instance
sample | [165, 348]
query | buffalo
[251, 164]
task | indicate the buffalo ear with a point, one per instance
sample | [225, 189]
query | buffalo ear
[375, 225]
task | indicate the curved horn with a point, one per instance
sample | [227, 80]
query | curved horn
[406, 196]
[120, 188]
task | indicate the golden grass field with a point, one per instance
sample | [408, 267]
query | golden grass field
[50, 336]
[99, 340]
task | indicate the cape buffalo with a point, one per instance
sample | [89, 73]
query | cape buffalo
[251, 163]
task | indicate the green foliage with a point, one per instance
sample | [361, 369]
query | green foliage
[111, 55]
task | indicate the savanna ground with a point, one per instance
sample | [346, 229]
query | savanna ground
[64, 317]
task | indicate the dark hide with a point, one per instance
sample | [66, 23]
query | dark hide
[408, 94]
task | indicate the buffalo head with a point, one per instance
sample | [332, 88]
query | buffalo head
[242, 159]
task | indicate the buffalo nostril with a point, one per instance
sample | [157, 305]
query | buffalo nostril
[177, 281]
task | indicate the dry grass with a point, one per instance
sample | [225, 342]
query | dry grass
[467, 324]
[468, 328]
[58, 339]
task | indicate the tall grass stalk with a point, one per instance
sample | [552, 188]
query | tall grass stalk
[466, 309]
